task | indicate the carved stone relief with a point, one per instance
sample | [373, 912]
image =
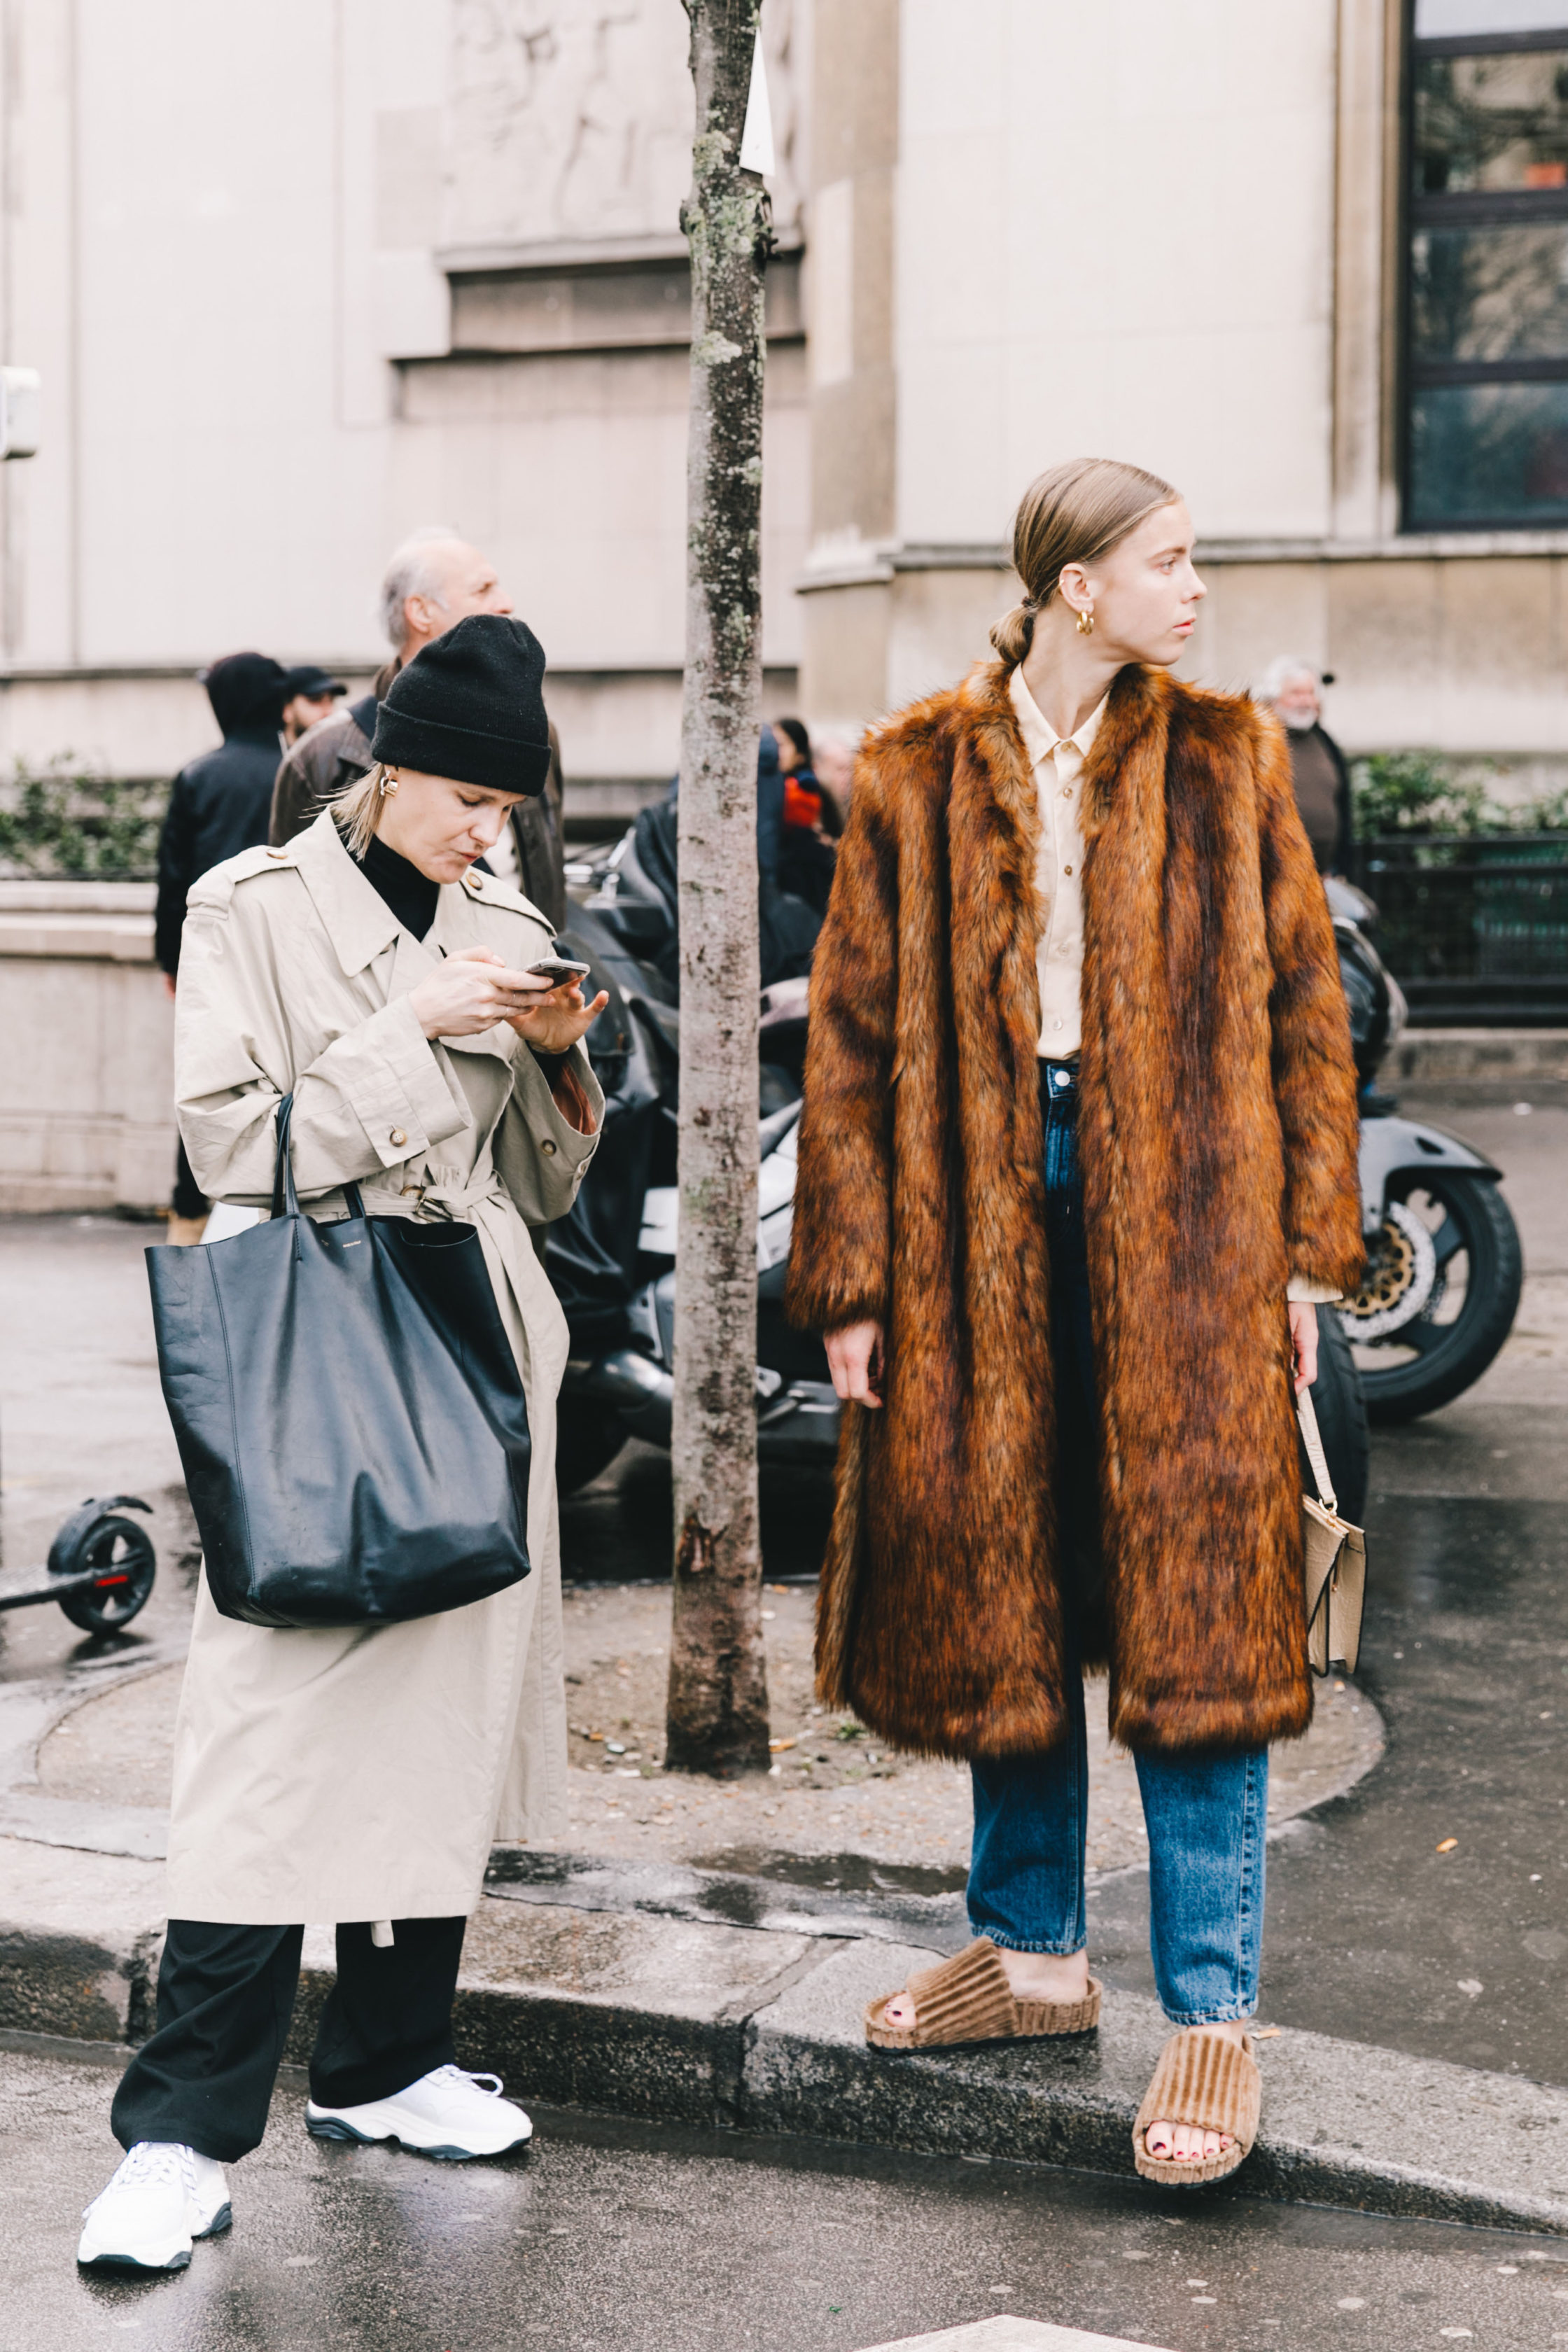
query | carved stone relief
[571, 121]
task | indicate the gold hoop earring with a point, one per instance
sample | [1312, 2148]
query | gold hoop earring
[1086, 622]
[389, 784]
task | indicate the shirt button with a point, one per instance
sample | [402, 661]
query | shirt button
[548, 1148]
[1055, 1024]
[397, 1136]
[1066, 792]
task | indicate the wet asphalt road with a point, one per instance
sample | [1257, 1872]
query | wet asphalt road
[616, 2238]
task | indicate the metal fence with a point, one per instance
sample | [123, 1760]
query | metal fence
[1474, 928]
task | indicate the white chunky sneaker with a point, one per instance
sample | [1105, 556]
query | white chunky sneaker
[162, 2197]
[446, 2113]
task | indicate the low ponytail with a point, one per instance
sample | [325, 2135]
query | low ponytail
[1014, 634]
[1070, 515]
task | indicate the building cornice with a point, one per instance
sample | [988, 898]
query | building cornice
[576, 253]
[875, 565]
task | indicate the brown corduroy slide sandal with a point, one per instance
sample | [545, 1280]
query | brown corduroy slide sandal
[968, 1998]
[1210, 2084]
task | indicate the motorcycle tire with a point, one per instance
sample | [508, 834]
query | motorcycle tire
[1341, 1408]
[588, 1436]
[1450, 1356]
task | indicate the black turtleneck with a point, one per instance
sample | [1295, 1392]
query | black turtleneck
[412, 895]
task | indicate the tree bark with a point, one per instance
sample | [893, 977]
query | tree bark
[718, 1705]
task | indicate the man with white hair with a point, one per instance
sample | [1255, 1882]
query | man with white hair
[434, 580]
[1322, 780]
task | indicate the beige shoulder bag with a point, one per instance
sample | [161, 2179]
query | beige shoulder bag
[1336, 1562]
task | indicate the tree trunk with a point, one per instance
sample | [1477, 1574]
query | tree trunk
[718, 1705]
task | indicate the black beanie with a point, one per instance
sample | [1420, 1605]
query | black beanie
[470, 705]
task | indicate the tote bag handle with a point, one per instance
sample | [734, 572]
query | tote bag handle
[284, 1199]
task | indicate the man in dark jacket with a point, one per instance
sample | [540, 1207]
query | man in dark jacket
[1317, 766]
[218, 806]
[435, 579]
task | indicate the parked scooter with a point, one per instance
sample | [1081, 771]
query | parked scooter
[612, 1260]
[1444, 1266]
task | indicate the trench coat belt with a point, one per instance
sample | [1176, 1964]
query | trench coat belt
[455, 1204]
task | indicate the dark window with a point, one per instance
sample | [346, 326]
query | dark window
[1487, 286]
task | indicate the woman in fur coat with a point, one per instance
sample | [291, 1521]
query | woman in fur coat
[1077, 1155]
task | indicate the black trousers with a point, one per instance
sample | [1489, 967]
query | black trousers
[189, 1200]
[225, 1999]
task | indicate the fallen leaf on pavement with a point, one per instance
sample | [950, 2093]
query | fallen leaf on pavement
[1448, 1845]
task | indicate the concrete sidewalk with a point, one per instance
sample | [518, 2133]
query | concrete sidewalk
[658, 2005]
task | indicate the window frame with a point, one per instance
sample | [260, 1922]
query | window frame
[1488, 209]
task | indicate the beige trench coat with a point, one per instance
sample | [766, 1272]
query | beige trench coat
[327, 1775]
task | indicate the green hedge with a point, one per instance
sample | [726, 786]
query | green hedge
[56, 822]
[1419, 791]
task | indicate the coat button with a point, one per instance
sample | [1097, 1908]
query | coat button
[397, 1136]
[548, 1148]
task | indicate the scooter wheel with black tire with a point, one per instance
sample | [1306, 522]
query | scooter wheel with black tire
[1340, 1411]
[1440, 1295]
[123, 1553]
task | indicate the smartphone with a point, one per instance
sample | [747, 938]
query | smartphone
[560, 970]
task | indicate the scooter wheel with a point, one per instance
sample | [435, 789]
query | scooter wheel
[124, 1552]
[1447, 1345]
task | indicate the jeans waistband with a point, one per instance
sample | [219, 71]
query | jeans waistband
[1058, 1078]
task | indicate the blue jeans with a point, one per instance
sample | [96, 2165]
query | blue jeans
[1206, 1815]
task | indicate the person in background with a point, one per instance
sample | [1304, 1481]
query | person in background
[434, 580]
[312, 692]
[833, 760]
[799, 763]
[805, 852]
[218, 806]
[1294, 690]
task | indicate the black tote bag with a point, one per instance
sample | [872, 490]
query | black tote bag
[349, 1414]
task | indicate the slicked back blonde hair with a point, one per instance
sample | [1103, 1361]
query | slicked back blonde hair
[1071, 514]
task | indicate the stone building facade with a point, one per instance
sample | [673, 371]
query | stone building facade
[302, 277]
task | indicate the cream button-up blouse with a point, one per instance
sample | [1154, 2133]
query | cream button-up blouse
[1057, 763]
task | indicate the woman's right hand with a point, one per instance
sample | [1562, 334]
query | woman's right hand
[470, 991]
[855, 1360]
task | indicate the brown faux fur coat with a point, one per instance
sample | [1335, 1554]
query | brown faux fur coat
[1217, 1139]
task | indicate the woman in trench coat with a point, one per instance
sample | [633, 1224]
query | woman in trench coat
[1077, 1161]
[361, 1775]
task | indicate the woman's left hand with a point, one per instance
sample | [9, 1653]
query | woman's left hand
[560, 1017]
[1303, 1343]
